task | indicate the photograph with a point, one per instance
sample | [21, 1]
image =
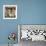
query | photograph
[9, 11]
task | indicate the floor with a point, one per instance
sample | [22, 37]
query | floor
[30, 43]
[9, 45]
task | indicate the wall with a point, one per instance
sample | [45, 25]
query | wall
[7, 26]
[33, 12]
[28, 12]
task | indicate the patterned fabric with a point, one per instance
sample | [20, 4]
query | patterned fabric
[28, 34]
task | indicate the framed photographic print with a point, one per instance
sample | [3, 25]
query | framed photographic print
[9, 11]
